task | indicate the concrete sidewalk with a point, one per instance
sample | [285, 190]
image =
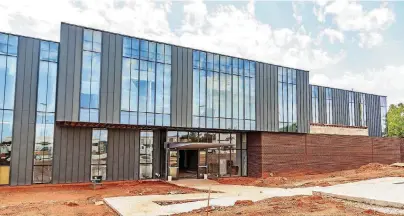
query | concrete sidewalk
[226, 195]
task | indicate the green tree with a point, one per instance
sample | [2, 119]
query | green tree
[395, 120]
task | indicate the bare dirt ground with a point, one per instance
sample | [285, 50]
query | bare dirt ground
[76, 199]
[288, 206]
[369, 171]
[81, 199]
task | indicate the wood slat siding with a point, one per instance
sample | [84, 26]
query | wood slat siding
[181, 87]
[23, 135]
[123, 154]
[111, 78]
[72, 155]
[69, 75]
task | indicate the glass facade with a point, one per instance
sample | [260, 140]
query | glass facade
[314, 104]
[146, 155]
[362, 110]
[287, 100]
[99, 153]
[223, 92]
[383, 113]
[8, 69]
[221, 161]
[328, 99]
[146, 83]
[351, 100]
[45, 112]
[90, 76]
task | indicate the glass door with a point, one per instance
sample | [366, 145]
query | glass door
[202, 165]
[173, 163]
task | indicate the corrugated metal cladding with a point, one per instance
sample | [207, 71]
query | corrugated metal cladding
[267, 105]
[322, 106]
[69, 74]
[71, 155]
[111, 78]
[123, 154]
[25, 111]
[303, 101]
[340, 109]
[267, 118]
[181, 87]
[373, 115]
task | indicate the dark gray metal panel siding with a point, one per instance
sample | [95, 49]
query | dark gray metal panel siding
[181, 87]
[189, 87]
[111, 78]
[302, 94]
[340, 107]
[322, 112]
[69, 75]
[123, 154]
[72, 155]
[266, 94]
[373, 115]
[24, 111]
[357, 109]
[274, 95]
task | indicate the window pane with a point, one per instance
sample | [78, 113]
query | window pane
[11, 70]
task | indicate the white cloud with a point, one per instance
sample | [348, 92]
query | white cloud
[350, 16]
[369, 40]
[333, 35]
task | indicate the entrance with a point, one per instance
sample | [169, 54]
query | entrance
[187, 163]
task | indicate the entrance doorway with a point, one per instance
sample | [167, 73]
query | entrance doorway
[188, 164]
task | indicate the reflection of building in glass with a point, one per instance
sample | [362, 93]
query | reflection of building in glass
[101, 104]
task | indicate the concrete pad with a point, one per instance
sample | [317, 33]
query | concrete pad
[388, 192]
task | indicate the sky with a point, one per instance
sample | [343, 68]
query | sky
[354, 45]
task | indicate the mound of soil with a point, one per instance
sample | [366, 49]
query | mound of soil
[371, 167]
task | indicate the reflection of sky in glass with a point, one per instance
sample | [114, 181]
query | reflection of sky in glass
[220, 91]
[146, 83]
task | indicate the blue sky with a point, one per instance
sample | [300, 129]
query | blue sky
[344, 44]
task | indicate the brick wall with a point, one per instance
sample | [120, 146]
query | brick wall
[282, 153]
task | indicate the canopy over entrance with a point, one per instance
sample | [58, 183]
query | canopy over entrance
[194, 145]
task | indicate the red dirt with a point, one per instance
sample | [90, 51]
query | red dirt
[243, 203]
[75, 199]
[369, 171]
[288, 206]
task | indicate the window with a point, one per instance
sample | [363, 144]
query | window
[233, 157]
[314, 104]
[90, 76]
[99, 153]
[223, 92]
[146, 83]
[146, 155]
[383, 113]
[351, 101]
[328, 99]
[8, 69]
[287, 99]
[362, 110]
[45, 113]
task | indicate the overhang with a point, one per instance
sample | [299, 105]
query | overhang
[195, 145]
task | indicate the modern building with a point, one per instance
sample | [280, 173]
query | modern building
[104, 104]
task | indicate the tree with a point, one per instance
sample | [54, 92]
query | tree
[395, 120]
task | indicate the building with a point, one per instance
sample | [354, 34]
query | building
[104, 104]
